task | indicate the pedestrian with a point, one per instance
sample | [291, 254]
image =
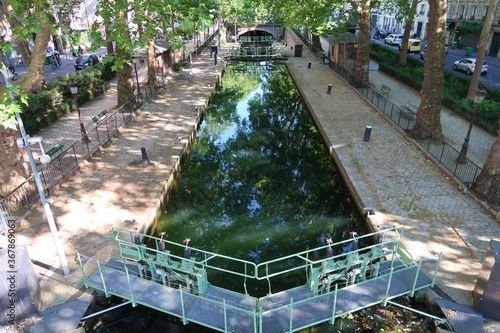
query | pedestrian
[80, 50]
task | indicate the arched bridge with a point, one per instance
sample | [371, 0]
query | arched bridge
[256, 30]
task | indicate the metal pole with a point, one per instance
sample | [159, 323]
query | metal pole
[39, 185]
[462, 157]
[85, 138]
[137, 78]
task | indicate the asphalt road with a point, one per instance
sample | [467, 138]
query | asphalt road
[67, 66]
[491, 79]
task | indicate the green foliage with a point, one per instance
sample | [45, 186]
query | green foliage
[178, 66]
[47, 106]
[473, 27]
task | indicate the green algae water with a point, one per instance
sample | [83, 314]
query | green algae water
[259, 183]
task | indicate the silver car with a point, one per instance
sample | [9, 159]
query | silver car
[468, 65]
[393, 39]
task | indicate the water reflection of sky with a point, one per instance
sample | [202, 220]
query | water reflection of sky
[242, 112]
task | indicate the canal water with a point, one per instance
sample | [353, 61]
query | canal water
[257, 185]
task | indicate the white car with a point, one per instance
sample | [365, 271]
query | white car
[393, 39]
[468, 65]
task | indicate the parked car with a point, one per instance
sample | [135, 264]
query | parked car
[89, 60]
[422, 54]
[393, 39]
[468, 65]
[414, 45]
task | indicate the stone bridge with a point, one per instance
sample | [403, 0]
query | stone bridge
[275, 30]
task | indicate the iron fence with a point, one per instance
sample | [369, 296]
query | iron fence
[437, 147]
[22, 198]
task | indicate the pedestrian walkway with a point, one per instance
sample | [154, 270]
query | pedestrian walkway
[454, 127]
[387, 173]
[390, 174]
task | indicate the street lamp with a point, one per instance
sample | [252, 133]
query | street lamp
[478, 99]
[73, 87]
[134, 61]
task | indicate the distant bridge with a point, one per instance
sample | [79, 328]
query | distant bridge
[337, 285]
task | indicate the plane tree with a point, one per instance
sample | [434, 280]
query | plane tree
[33, 20]
[487, 181]
[428, 122]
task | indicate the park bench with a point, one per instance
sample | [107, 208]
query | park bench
[52, 151]
[99, 116]
[410, 108]
[383, 89]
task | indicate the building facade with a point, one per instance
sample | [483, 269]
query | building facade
[464, 20]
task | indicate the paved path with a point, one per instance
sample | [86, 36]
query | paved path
[388, 173]
[454, 127]
[392, 175]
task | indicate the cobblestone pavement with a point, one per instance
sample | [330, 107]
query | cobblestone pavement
[388, 173]
[392, 175]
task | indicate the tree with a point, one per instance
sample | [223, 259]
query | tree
[406, 34]
[26, 18]
[488, 178]
[429, 112]
[481, 49]
[362, 60]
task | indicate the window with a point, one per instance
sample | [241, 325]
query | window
[473, 14]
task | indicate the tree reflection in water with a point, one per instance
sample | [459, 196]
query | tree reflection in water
[258, 183]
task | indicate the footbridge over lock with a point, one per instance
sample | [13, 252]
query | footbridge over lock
[341, 278]
[255, 43]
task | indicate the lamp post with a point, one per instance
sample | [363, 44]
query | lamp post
[73, 87]
[478, 99]
[24, 143]
[134, 61]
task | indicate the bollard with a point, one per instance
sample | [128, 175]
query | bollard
[329, 90]
[215, 57]
[368, 132]
[309, 65]
[145, 157]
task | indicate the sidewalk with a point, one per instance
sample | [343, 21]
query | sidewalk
[392, 175]
[454, 127]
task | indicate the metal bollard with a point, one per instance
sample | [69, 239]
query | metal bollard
[368, 132]
[215, 58]
[309, 65]
[329, 90]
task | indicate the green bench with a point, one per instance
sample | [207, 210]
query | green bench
[410, 108]
[382, 90]
[101, 114]
[52, 151]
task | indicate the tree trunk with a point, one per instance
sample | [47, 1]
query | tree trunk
[406, 34]
[316, 42]
[109, 44]
[22, 45]
[151, 61]
[124, 77]
[429, 112]
[14, 166]
[362, 60]
[487, 181]
[481, 48]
